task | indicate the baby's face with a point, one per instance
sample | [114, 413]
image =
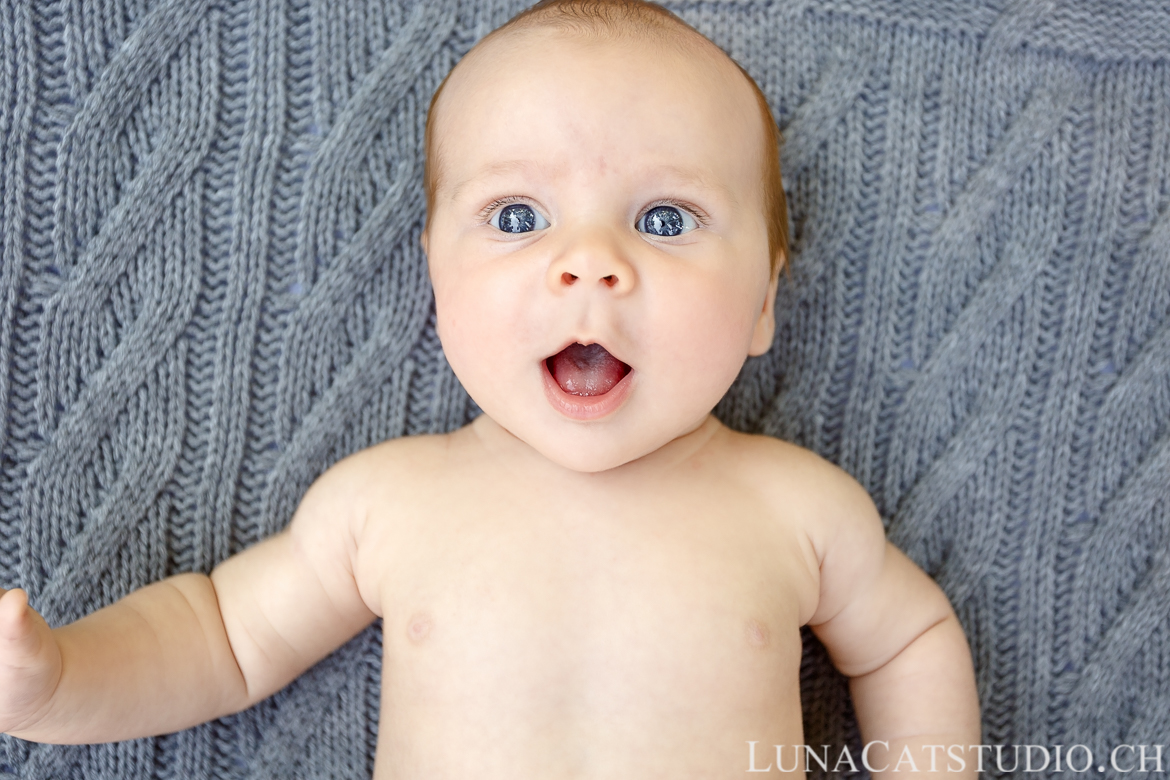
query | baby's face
[606, 194]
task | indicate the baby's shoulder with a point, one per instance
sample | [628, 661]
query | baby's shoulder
[394, 466]
[802, 485]
[772, 462]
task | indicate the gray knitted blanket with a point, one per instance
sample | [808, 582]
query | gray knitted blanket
[211, 289]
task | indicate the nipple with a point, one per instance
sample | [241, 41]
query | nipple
[757, 633]
[586, 370]
[418, 627]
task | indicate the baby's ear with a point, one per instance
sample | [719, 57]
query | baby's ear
[422, 241]
[766, 324]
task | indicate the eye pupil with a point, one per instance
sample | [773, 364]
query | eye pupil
[517, 218]
[664, 221]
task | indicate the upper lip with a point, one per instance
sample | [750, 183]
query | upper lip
[586, 343]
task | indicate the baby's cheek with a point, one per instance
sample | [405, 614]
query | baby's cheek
[483, 333]
[716, 327]
[464, 312]
[455, 322]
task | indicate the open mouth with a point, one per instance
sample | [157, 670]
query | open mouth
[586, 369]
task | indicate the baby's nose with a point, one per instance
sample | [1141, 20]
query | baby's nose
[568, 279]
[592, 264]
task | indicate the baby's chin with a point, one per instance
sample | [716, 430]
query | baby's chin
[595, 447]
[593, 459]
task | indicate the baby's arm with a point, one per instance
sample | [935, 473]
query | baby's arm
[890, 628]
[189, 648]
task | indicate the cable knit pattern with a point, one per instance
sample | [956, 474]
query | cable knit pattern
[211, 288]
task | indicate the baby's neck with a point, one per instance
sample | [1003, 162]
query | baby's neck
[514, 453]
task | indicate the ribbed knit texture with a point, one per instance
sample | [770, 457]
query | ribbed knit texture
[211, 288]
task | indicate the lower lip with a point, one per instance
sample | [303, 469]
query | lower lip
[585, 407]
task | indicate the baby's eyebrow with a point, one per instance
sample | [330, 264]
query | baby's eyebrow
[673, 175]
[495, 169]
[693, 177]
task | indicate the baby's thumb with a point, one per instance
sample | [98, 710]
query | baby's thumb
[17, 626]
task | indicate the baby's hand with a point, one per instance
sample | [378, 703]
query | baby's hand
[30, 662]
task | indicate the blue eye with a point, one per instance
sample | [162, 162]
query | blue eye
[666, 221]
[518, 218]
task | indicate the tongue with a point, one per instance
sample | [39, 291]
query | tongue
[586, 370]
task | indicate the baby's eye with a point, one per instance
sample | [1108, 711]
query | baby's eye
[518, 218]
[666, 221]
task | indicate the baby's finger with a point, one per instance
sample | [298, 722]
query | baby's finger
[15, 620]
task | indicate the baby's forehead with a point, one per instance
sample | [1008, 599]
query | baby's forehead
[612, 94]
[601, 41]
[506, 61]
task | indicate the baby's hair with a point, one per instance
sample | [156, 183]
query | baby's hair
[638, 18]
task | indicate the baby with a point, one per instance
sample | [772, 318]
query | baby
[595, 579]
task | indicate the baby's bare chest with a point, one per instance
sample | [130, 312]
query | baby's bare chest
[675, 564]
[597, 619]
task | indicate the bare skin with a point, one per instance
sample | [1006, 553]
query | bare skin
[612, 597]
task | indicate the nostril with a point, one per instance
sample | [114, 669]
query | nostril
[610, 280]
[568, 278]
